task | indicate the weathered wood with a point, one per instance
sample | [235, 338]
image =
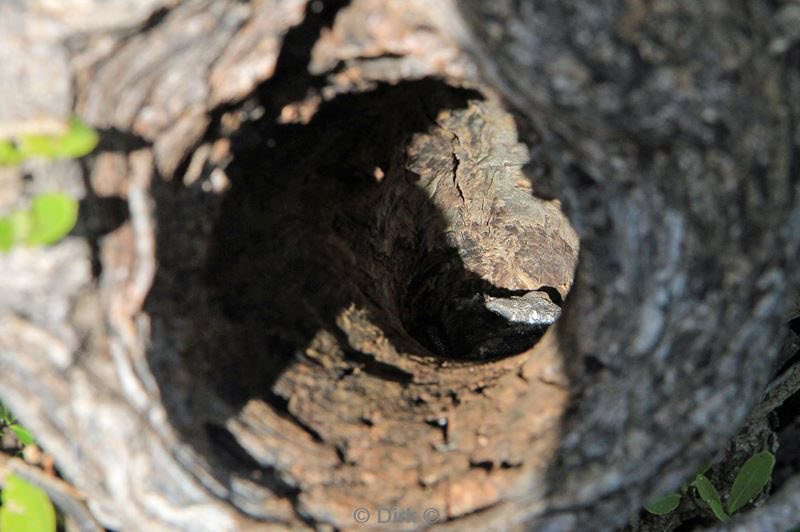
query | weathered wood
[260, 342]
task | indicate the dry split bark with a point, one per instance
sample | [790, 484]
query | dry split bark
[287, 197]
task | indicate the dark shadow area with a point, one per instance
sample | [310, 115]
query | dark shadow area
[112, 139]
[98, 216]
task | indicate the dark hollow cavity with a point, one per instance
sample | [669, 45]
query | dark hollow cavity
[390, 211]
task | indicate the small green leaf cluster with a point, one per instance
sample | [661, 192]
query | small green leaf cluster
[49, 218]
[24, 507]
[77, 141]
[7, 420]
[750, 481]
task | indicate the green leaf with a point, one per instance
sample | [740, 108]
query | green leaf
[9, 154]
[53, 216]
[709, 494]
[5, 415]
[23, 435]
[36, 144]
[79, 140]
[26, 508]
[664, 505]
[751, 479]
[6, 235]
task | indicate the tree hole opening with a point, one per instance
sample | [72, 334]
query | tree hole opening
[385, 226]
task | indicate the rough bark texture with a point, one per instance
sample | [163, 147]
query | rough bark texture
[671, 133]
[253, 325]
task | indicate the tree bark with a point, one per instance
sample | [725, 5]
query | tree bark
[257, 322]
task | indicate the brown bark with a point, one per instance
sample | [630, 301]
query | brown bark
[257, 342]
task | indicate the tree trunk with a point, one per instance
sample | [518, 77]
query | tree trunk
[266, 316]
